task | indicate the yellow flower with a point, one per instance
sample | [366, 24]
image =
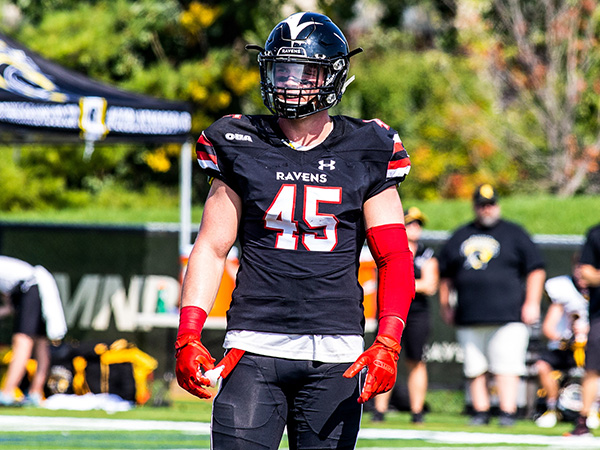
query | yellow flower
[198, 92]
[158, 160]
[219, 100]
[240, 80]
[199, 16]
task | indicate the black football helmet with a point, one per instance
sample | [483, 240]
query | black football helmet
[304, 65]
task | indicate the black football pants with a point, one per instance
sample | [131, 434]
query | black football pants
[263, 394]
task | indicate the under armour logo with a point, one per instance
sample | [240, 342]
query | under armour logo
[330, 165]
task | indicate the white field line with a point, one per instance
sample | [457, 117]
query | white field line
[464, 437]
[36, 423]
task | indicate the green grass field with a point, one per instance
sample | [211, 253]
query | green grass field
[185, 425]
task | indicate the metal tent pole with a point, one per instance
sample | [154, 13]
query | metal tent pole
[185, 192]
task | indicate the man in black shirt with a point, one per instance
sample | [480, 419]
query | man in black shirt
[498, 275]
[590, 273]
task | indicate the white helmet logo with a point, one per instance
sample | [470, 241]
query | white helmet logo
[295, 26]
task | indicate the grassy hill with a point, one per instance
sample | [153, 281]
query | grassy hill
[538, 214]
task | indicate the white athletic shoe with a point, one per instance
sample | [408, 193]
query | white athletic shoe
[593, 421]
[547, 420]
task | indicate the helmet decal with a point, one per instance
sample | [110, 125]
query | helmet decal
[291, 51]
[293, 22]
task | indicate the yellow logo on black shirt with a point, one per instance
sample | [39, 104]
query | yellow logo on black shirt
[478, 250]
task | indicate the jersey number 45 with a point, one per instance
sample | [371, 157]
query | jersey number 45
[280, 217]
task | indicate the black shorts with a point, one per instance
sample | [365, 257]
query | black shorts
[562, 360]
[592, 349]
[28, 311]
[262, 395]
[415, 334]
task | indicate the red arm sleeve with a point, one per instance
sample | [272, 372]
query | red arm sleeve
[396, 278]
[191, 320]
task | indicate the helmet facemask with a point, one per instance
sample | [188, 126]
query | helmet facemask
[295, 87]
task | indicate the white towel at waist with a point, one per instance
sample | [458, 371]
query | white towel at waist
[52, 310]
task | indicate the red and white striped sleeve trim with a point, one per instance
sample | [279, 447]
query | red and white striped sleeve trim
[399, 164]
[206, 155]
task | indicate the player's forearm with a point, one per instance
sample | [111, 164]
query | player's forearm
[590, 275]
[446, 309]
[530, 312]
[534, 288]
[428, 283]
[550, 332]
[551, 321]
[217, 234]
[444, 292]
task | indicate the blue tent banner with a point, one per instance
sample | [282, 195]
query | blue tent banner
[41, 101]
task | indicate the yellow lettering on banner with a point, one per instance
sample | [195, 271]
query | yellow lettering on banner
[92, 118]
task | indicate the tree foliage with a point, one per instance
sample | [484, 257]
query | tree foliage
[479, 90]
[544, 59]
[441, 110]
[189, 51]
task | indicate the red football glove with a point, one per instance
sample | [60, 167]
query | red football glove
[192, 360]
[380, 360]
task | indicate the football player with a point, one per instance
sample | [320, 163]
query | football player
[301, 190]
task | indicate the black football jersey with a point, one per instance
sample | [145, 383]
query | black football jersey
[302, 224]
[590, 254]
